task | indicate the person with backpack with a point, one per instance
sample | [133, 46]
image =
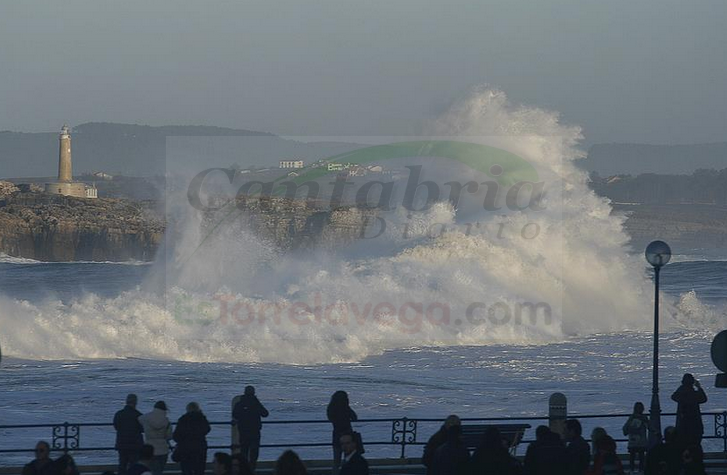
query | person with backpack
[635, 429]
[247, 414]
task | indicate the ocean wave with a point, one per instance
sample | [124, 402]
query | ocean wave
[236, 299]
[6, 259]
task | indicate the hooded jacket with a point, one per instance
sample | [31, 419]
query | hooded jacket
[157, 430]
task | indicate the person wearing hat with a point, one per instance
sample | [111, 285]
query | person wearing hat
[157, 433]
[247, 414]
[689, 417]
[128, 434]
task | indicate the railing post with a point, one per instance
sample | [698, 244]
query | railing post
[557, 413]
[403, 432]
[403, 439]
[720, 429]
[66, 437]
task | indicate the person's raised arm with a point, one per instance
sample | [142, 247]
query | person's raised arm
[263, 412]
[701, 395]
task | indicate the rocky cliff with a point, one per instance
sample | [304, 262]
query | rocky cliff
[292, 224]
[58, 228]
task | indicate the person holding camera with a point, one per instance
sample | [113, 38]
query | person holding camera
[689, 417]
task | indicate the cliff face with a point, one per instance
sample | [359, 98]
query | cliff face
[294, 224]
[58, 228]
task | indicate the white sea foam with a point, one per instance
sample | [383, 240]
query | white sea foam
[5, 259]
[313, 308]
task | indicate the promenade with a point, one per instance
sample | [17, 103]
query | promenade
[393, 445]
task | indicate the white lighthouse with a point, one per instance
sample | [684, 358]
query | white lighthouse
[65, 185]
[65, 173]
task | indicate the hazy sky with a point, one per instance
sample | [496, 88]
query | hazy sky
[626, 70]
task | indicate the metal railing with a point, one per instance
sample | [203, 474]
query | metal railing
[398, 434]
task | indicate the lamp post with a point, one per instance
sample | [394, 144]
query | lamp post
[658, 254]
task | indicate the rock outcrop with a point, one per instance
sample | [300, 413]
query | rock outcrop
[58, 228]
[293, 224]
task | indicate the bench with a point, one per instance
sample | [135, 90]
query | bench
[472, 434]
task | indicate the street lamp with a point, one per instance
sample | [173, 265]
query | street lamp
[658, 254]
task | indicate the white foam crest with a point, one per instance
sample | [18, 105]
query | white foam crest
[578, 266]
[6, 259]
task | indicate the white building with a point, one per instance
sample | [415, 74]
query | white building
[291, 164]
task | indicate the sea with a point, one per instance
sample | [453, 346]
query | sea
[600, 373]
[449, 310]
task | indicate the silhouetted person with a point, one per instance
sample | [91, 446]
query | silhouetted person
[289, 464]
[190, 434]
[664, 458]
[352, 462]
[606, 462]
[240, 465]
[540, 434]
[65, 465]
[693, 461]
[221, 464]
[341, 415]
[437, 439]
[42, 464]
[145, 463]
[579, 452]
[128, 434]
[596, 434]
[452, 457]
[689, 417]
[492, 458]
[157, 433]
[548, 457]
[247, 414]
[635, 429]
